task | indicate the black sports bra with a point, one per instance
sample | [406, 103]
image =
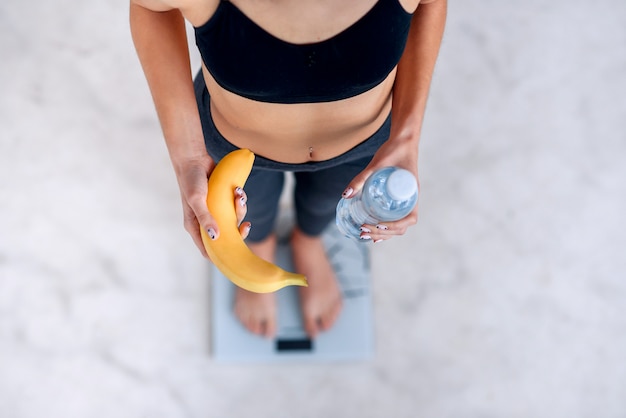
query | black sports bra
[245, 59]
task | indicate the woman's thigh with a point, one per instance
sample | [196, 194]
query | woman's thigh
[263, 189]
[317, 193]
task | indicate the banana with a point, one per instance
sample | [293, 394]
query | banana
[229, 252]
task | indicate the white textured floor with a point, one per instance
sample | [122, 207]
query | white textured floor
[507, 300]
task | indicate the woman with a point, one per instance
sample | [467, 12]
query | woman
[308, 86]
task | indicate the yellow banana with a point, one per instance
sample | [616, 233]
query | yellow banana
[229, 252]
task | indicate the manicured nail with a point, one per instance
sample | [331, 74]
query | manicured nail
[378, 240]
[347, 192]
[383, 227]
[212, 233]
[365, 237]
[242, 201]
[248, 228]
[364, 229]
[239, 191]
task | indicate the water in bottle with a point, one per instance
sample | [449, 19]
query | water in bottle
[389, 194]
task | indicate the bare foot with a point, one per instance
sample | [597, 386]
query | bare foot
[257, 311]
[321, 300]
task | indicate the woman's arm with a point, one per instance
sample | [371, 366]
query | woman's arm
[410, 94]
[161, 43]
[415, 71]
[158, 31]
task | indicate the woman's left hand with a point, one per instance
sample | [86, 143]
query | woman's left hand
[396, 153]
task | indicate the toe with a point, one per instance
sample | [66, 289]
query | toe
[311, 326]
[330, 317]
[250, 324]
[254, 327]
[245, 321]
[270, 329]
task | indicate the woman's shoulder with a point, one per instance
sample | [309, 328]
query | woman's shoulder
[194, 10]
[411, 5]
[197, 12]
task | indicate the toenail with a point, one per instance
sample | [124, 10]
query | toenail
[365, 237]
[383, 227]
[364, 229]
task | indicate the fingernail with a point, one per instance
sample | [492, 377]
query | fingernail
[347, 192]
[248, 228]
[239, 191]
[365, 237]
[212, 233]
[383, 227]
[364, 229]
[378, 240]
[242, 201]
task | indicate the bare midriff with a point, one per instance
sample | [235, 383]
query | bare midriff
[303, 132]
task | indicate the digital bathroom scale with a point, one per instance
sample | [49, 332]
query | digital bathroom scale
[350, 339]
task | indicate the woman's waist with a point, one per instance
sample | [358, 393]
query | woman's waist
[218, 147]
[297, 133]
[298, 139]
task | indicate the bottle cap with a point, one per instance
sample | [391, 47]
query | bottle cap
[401, 184]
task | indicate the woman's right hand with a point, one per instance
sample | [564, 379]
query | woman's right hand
[192, 175]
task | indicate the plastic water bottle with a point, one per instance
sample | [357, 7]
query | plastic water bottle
[389, 194]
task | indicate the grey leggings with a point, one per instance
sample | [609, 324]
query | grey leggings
[318, 185]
